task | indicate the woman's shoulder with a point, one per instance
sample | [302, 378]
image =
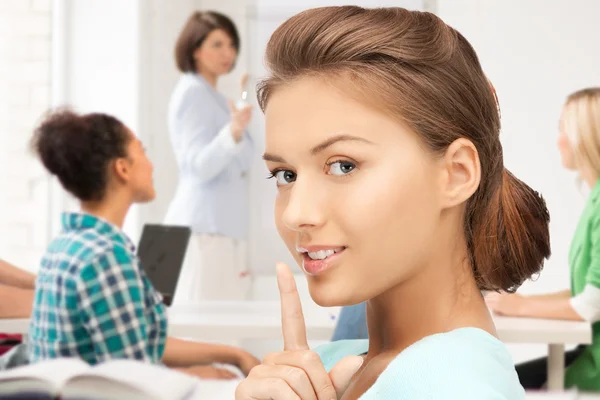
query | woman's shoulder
[193, 83]
[466, 363]
[189, 87]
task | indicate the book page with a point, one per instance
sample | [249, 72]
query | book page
[55, 372]
[157, 381]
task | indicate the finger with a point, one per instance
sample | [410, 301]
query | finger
[310, 362]
[248, 367]
[265, 389]
[226, 374]
[246, 114]
[232, 107]
[292, 319]
[342, 373]
[296, 378]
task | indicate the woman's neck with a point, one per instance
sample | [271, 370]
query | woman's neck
[210, 78]
[589, 176]
[113, 209]
[427, 304]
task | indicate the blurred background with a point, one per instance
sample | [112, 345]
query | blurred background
[116, 56]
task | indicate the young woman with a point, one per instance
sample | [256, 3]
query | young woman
[213, 153]
[92, 298]
[579, 145]
[383, 139]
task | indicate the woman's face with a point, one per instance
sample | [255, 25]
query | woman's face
[140, 178]
[216, 55]
[567, 155]
[358, 200]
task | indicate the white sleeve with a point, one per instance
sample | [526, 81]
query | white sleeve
[587, 303]
[203, 152]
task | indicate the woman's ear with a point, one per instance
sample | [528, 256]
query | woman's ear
[122, 169]
[461, 172]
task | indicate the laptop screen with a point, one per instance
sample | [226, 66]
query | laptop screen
[162, 250]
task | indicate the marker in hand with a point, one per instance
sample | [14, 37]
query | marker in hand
[241, 103]
[297, 372]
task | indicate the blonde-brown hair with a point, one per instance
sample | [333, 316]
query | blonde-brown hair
[581, 124]
[426, 74]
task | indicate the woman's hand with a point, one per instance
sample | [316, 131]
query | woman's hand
[297, 373]
[246, 362]
[505, 303]
[239, 120]
[209, 372]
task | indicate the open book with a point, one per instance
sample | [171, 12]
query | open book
[70, 378]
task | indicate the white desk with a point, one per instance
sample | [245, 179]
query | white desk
[227, 321]
[245, 320]
[553, 333]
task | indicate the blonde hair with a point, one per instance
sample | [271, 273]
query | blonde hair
[423, 72]
[581, 124]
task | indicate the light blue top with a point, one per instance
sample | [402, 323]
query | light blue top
[212, 194]
[464, 364]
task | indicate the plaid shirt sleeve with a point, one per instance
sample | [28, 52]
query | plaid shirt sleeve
[112, 307]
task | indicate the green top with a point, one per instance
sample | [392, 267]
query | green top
[584, 261]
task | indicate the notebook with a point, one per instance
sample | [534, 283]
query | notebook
[162, 250]
[72, 378]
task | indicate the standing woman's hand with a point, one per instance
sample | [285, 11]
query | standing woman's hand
[239, 120]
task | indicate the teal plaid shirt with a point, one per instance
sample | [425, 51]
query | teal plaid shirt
[92, 298]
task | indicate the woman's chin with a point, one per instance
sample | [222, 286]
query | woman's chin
[327, 296]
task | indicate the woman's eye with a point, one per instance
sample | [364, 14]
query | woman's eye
[284, 177]
[340, 168]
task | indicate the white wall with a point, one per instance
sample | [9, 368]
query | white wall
[160, 24]
[99, 71]
[25, 43]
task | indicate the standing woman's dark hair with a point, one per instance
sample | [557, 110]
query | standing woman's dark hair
[77, 149]
[195, 31]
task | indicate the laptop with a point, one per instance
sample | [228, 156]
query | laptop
[162, 250]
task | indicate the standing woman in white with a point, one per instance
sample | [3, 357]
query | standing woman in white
[213, 153]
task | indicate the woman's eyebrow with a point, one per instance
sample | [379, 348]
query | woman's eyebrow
[320, 147]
